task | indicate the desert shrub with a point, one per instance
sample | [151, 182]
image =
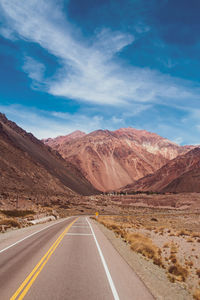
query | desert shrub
[180, 272]
[195, 234]
[149, 228]
[189, 263]
[171, 278]
[138, 242]
[154, 219]
[114, 226]
[172, 234]
[190, 240]
[183, 233]
[196, 294]
[143, 245]
[174, 248]
[17, 213]
[64, 206]
[198, 273]
[10, 223]
[173, 258]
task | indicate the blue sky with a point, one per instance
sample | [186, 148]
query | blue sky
[91, 64]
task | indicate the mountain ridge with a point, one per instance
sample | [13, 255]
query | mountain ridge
[170, 176]
[29, 168]
[112, 159]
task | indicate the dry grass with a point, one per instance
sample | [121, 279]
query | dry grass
[179, 272]
[143, 245]
[174, 248]
[17, 213]
[190, 240]
[196, 294]
[10, 223]
[166, 245]
[177, 234]
[138, 242]
[172, 234]
[195, 235]
[183, 233]
[189, 263]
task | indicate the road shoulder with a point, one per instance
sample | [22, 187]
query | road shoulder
[152, 276]
[12, 236]
[128, 284]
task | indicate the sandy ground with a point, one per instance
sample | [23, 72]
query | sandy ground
[177, 236]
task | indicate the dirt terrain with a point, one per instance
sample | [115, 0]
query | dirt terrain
[168, 239]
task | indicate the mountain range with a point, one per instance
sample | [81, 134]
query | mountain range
[126, 159]
[113, 159]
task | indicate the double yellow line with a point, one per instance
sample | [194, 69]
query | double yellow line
[27, 283]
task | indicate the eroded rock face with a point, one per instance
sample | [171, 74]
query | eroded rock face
[112, 159]
[181, 174]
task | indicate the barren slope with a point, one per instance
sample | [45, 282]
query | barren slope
[110, 160]
[189, 182]
[180, 174]
[28, 167]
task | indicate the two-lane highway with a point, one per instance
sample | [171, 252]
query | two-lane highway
[69, 260]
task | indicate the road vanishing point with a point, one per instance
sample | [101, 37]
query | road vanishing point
[69, 259]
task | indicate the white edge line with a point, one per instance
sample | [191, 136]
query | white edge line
[31, 235]
[114, 291]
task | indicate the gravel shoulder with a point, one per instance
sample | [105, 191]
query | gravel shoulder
[153, 276]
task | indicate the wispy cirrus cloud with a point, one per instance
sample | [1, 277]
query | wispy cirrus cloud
[45, 124]
[34, 69]
[89, 70]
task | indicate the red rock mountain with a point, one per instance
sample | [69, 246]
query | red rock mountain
[28, 167]
[60, 141]
[181, 174]
[112, 159]
[189, 182]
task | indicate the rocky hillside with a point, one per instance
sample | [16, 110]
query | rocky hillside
[112, 159]
[178, 175]
[30, 168]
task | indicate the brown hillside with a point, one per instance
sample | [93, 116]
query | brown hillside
[176, 175]
[30, 168]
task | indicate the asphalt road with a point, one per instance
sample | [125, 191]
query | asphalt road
[71, 259]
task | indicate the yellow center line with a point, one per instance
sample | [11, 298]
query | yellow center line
[26, 284]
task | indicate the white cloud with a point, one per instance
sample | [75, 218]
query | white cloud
[34, 69]
[90, 71]
[45, 124]
[178, 140]
[142, 28]
[7, 33]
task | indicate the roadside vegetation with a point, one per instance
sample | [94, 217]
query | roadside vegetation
[12, 219]
[17, 213]
[171, 241]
